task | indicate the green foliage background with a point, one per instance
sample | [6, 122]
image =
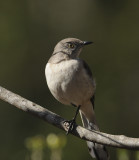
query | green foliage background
[30, 29]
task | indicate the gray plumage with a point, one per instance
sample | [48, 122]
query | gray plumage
[71, 82]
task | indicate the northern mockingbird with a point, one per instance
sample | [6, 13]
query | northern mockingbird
[71, 82]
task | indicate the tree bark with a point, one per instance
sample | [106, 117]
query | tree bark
[119, 141]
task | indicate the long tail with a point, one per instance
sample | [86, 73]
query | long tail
[97, 151]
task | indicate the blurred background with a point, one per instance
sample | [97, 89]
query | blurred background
[29, 30]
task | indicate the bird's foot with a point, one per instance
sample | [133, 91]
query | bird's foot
[70, 125]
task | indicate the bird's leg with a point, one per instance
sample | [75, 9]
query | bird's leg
[77, 111]
[73, 121]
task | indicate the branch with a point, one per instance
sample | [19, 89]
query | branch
[119, 141]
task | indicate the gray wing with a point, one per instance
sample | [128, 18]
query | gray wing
[89, 72]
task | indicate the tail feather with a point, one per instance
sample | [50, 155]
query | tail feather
[96, 150]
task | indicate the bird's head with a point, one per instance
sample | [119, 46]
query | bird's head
[71, 47]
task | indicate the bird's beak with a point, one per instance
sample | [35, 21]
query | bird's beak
[87, 42]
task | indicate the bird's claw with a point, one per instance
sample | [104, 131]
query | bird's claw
[70, 125]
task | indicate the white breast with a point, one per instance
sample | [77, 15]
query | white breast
[68, 82]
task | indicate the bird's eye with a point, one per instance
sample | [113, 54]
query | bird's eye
[71, 45]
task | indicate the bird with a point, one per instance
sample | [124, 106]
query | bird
[71, 82]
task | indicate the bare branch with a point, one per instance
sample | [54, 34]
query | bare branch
[119, 141]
